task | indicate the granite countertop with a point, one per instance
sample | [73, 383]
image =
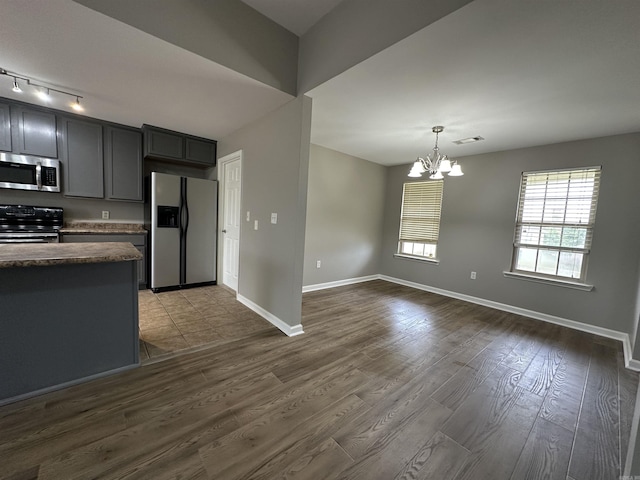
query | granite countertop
[103, 228]
[46, 254]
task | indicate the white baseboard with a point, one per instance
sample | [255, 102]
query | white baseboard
[630, 363]
[287, 329]
[339, 283]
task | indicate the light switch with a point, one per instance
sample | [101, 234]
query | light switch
[255, 224]
[248, 216]
[274, 218]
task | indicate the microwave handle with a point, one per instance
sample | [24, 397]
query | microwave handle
[39, 175]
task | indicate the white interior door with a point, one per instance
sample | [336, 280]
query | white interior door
[230, 184]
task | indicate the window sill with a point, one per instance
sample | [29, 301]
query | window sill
[435, 261]
[550, 281]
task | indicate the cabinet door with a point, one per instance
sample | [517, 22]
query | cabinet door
[200, 151]
[34, 133]
[163, 144]
[5, 128]
[82, 154]
[123, 164]
[142, 268]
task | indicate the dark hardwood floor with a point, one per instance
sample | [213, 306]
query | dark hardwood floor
[387, 383]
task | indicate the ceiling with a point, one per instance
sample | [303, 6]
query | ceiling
[518, 74]
[297, 16]
[125, 75]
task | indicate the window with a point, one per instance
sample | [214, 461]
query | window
[420, 219]
[554, 226]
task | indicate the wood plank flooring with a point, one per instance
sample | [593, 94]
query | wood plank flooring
[387, 383]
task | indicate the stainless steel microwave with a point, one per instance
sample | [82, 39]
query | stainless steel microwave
[24, 172]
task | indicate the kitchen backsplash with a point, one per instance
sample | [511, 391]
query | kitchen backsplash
[77, 209]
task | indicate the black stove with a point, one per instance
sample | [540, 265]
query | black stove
[30, 224]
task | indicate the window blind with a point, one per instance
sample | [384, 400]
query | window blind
[557, 209]
[421, 207]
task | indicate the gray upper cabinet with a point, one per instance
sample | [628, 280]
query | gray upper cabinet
[5, 128]
[82, 157]
[200, 151]
[175, 147]
[33, 132]
[163, 144]
[123, 164]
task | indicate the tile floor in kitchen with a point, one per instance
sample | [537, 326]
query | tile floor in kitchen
[182, 319]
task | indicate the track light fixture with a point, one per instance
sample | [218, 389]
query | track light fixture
[43, 94]
[42, 91]
[76, 105]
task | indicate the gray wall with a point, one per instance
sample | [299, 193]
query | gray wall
[358, 29]
[77, 209]
[274, 180]
[478, 215]
[345, 208]
[229, 32]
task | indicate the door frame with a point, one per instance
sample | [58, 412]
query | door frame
[221, 196]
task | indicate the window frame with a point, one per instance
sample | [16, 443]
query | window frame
[588, 227]
[431, 197]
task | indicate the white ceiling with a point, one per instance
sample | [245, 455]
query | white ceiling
[297, 16]
[519, 74]
[126, 76]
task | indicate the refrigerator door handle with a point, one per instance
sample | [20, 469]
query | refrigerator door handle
[186, 212]
[184, 225]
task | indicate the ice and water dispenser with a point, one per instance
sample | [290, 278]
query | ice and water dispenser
[168, 216]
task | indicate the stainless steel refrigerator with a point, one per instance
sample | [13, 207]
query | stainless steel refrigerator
[183, 214]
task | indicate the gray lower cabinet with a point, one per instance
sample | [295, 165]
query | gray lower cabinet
[84, 325]
[123, 164]
[139, 240]
[82, 156]
[33, 132]
[5, 128]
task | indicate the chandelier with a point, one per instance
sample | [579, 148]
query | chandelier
[435, 163]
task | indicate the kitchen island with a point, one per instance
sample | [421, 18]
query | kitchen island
[68, 313]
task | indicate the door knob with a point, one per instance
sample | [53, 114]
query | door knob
[224, 231]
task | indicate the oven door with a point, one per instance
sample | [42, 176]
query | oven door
[27, 237]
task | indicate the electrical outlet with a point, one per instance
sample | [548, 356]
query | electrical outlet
[105, 214]
[473, 275]
[274, 218]
[248, 216]
[318, 263]
[255, 224]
